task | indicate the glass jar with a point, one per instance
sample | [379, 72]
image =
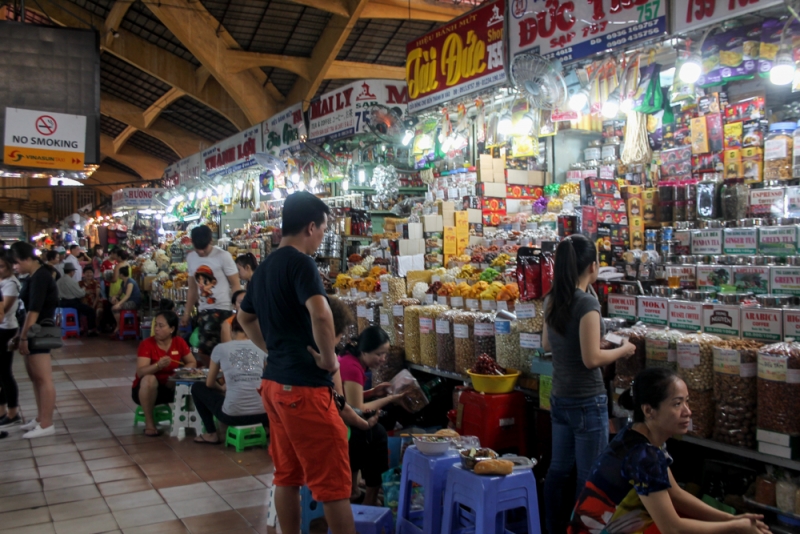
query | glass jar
[778, 151]
[735, 197]
[708, 193]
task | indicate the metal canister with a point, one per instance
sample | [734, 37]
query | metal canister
[650, 245]
[721, 259]
[793, 261]
[665, 291]
[774, 301]
[750, 222]
[761, 260]
[667, 248]
[733, 298]
[650, 235]
[614, 323]
[785, 221]
[698, 295]
[710, 224]
[687, 258]
[739, 260]
[627, 289]
[666, 233]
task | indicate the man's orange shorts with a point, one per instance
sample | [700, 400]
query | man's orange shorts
[308, 440]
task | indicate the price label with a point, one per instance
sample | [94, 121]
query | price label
[685, 315]
[384, 286]
[361, 295]
[688, 355]
[502, 328]
[623, 306]
[473, 304]
[526, 310]
[762, 324]
[398, 311]
[772, 368]
[740, 241]
[502, 305]
[484, 329]
[442, 327]
[726, 361]
[429, 299]
[457, 302]
[707, 242]
[361, 311]
[488, 305]
[530, 341]
[691, 14]
[653, 310]
[461, 331]
[384, 320]
[425, 325]
[785, 280]
[722, 319]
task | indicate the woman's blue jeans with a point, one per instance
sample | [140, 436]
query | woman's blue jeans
[580, 434]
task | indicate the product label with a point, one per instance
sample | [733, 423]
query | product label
[473, 304]
[502, 328]
[502, 305]
[775, 149]
[526, 310]
[429, 298]
[726, 361]
[785, 280]
[683, 240]
[457, 302]
[740, 241]
[484, 329]
[658, 349]
[685, 315]
[777, 240]
[384, 320]
[791, 323]
[713, 276]
[461, 331]
[653, 310]
[488, 305]
[442, 327]
[425, 325]
[767, 201]
[707, 242]
[722, 319]
[762, 323]
[361, 294]
[530, 341]
[772, 367]
[398, 311]
[793, 376]
[793, 196]
[688, 355]
[622, 306]
[361, 311]
[753, 278]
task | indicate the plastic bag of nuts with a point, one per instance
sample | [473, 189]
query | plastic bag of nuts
[484, 335]
[411, 334]
[630, 367]
[445, 343]
[397, 290]
[701, 403]
[662, 348]
[427, 333]
[463, 339]
[530, 316]
[506, 339]
[385, 314]
[530, 349]
[351, 332]
[395, 361]
[735, 425]
[696, 361]
[779, 387]
[735, 391]
[398, 319]
[367, 312]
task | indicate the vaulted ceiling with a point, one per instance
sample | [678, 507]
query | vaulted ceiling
[179, 75]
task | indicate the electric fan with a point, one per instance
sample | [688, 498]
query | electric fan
[386, 124]
[541, 80]
[270, 162]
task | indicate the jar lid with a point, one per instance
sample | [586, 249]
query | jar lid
[782, 126]
[772, 301]
[665, 291]
[733, 298]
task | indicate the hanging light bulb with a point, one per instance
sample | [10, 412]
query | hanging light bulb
[626, 106]
[276, 194]
[345, 185]
[312, 184]
[294, 177]
[301, 186]
[191, 196]
[579, 100]
[504, 125]
[783, 67]
[361, 176]
[611, 106]
[691, 69]
[409, 135]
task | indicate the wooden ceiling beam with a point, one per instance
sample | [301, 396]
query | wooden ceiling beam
[343, 70]
[337, 7]
[240, 60]
[114, 19]
[205, 38]
[152, 113]
[328, 45]
[155, 61]
[391, 9]
[149, 167]
[122, 138]
[108, 174]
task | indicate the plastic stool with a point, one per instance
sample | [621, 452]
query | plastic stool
[70, 324]
[242, 437]
[162, 413]
[488, 497]
[430, 472]
[128, 324]
[372, 519]
[183, 411]
[311, 510]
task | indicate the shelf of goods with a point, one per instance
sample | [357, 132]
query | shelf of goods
[741, 451]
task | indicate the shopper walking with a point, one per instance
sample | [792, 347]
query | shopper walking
[9, 394]
[286, 301]
[39, 294]
[578, 402]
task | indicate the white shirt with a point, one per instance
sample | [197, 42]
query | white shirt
[10, 288]
[74, 261]
[213, 288]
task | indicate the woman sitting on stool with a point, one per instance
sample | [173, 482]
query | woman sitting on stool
[237, 402]
[159, 356]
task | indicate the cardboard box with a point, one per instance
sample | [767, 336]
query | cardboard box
[539, 178]
[474, 216]
[415, 230]
[432, 223]
[493, 218]
[450, 242]
[517, 177]
[499, 175]
[476, 229]
[484, 204]
[499, 163]
[491, 189]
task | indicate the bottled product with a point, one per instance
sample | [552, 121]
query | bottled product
[778, 151]
[796, 152]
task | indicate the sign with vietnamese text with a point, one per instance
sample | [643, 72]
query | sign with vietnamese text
[654, 310]
[44, 139]
[686, 315]
[462, 57]
[284, 131]
[232, 154]
[623, 306]
[134, 197]
[575, 29]
[184, 172]
[688, 15]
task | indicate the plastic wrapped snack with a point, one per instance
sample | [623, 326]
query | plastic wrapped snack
[411, 324]
[696, 361]
[779, 387]
[463, 339]
[367, 312]
[662, 348]
[445, 343]
[351, 332]
[427, 333]
[398, 319]
[506, 339]
[405, 384]
[385, 314]
[484, 335]
[630, 367]
[735, 385]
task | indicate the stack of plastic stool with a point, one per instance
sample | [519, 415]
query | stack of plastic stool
[489, 498]
[311, 510]
[430, 472]
[162, 413]
[372, 519]
[242, 437]
[70, 324]
[128, 324]
[183, 412]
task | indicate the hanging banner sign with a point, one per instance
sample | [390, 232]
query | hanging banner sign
[134, 198]
[184, 172]
[575, 29]
[345, 111]
[233, 154]
[688, 15]
[284, 131]
[44, 140]
[462, 57]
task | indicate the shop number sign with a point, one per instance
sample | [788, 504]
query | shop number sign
[691, 14]
[574, 29]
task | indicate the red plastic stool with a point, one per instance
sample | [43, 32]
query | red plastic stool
[498, 420]
[67, 318]
[128, 324]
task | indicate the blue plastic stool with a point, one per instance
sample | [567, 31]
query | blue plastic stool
[128, 324]
[310, 508]
[430, 472]
[70, 324]
[488, 497]
[372, 520]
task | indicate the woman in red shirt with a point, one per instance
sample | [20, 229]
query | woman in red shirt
[158, 358]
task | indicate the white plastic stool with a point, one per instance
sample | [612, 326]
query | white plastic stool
[183, 411]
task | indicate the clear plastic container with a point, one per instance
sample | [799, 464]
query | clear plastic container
[796, 152]
[735, 198]
[779, 151]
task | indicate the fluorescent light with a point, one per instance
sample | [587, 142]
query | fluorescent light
[361, 176]
[504, 125]
[409, 135]
[524, 125]
[611, 106]
[691, 69]
[579, 100]
[313, 183]
[782, 72]
[276, 194]
[345, 185]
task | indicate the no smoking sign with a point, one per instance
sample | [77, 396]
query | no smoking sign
[46, 125]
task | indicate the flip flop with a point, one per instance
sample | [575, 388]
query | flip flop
[157, 434]
[203, 441]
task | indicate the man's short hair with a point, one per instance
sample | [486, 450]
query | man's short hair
[201, 237]
[301, 209]
[73, 247]
[51, 255]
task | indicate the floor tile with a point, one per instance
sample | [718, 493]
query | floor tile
[22, 502]
[55, 459]
[139, 499]
[188, 492]
[21, 518]
[87, 525]
[216, 522]
[144, 516]
[235, 485]
[53, 449]
[158, 456]
[164, 468]
[221, 473]
[120, 473]
[13, 465]
[109, 463]
[201, 506]
[73, 510]
[120, 487]
[16, 454]
[69, 481]
[93, 444]
[41, 528]
[18, 488]
[58, 470]
[79, 493]
[19, 475]
[175, 526]
[246, 499]
[105, 452]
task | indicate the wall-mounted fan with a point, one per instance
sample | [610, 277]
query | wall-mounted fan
[386, 124]
[270, 162]
[540, 79]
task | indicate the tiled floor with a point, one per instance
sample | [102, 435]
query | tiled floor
[100, 474]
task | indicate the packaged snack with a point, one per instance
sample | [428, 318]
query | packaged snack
[733, 135]
[739, 51]
[770, 44]
[711, 62]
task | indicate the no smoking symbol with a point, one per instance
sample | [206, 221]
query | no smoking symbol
[46, 125]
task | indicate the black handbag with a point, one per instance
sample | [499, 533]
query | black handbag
[45, 336]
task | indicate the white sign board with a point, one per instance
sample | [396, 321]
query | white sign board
[233, 154]
[134, 198]
[285, 130]
[688, 15]
[44, 139]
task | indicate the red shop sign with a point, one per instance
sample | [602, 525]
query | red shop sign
[691, 14]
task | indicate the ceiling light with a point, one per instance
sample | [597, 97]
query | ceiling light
[524, 125]
[409, 135]
[611, 106]
[361, 176]
[626, 106]
[312, 184]
[276, 194]
[504, 125]
[783, 67]
[294, 177]
[578, 101]
[345, 185]
[691, 69]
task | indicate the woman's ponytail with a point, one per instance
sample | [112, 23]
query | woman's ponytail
[573, 256]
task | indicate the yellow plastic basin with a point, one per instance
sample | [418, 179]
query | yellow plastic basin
[494, 383]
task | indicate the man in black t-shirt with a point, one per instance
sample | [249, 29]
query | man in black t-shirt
[285, 312]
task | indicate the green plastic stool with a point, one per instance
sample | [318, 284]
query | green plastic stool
[162, 413]
[242, 437]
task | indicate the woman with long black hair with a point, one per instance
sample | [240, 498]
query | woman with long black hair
[578, 402]
[40, 296]
[9, 302]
